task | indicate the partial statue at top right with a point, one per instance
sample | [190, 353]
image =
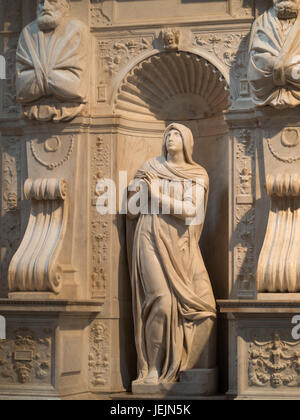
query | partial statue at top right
[274, 66]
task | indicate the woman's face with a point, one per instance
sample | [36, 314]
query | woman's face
[174, 143]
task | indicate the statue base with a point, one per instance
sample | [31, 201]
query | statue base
[201, 376]
[195, 382]
[264, 352]
[48, 349]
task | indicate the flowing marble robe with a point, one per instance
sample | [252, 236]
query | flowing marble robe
[52, 72]
[165, 260]
[274, 66]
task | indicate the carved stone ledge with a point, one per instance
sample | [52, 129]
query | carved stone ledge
[25, 358]
[279, 263]
[34, 267]
[51, 306]
[281, 308]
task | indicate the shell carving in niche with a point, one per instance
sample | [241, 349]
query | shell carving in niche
[173, 86]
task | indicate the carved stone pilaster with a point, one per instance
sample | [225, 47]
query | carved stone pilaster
[244, 209]
[279, 263]
[34, 266]
[243, 205]
[99, 225]
[98, 355]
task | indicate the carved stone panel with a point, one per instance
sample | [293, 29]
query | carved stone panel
[244, 190]
[52, 152]
[98, 354]
[25, 357]
[231, 49]
[275, 363]
[285, 145]
[99, 225]
[268, 355]
[113, 54]
[115, 13]
[11, 165]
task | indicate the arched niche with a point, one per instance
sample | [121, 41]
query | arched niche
[179, 86]
[172, 86]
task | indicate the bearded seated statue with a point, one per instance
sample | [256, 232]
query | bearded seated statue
[52, 80]
[274, 66]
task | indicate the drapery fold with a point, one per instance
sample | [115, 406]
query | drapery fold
[274, 71]
[53, 64]
[165, 251]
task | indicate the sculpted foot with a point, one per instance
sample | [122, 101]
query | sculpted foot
[152, 377]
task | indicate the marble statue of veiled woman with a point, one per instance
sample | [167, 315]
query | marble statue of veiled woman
[171, 290]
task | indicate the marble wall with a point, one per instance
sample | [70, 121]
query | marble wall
[140, 81]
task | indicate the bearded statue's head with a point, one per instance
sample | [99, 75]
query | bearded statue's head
[287, 9]
[50, 13]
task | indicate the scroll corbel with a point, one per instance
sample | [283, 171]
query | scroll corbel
[34, 267]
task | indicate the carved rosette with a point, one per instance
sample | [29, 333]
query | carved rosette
[274, 364]
[279, 262]
[34, 267]
[25, 357]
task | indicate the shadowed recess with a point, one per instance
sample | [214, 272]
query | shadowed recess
[176, 85]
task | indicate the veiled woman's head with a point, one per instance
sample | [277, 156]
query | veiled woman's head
[174, 141]
[178, 139]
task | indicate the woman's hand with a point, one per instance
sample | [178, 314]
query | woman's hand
[152, 182]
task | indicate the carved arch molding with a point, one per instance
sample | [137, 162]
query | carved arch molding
[173, 86]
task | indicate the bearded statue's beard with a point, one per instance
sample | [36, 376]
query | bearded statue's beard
[286, 9]
[49, 22]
